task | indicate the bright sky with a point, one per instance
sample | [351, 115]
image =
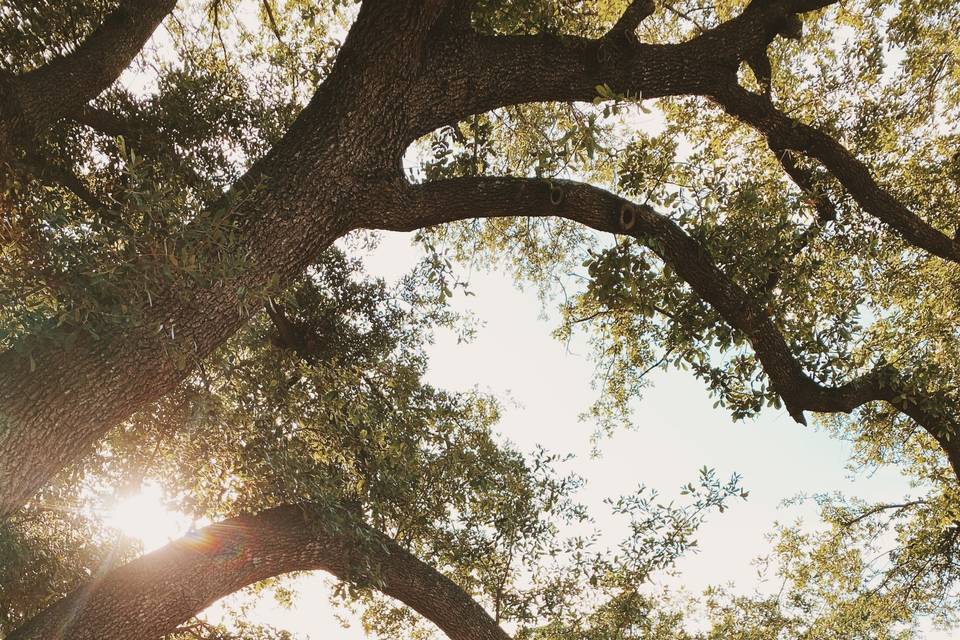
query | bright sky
[677, 432]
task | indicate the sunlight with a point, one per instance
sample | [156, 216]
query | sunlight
[143, 517]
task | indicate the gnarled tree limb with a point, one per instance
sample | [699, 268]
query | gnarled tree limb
[150, 596]
[34, 100]
[56, 401]
[445, 201]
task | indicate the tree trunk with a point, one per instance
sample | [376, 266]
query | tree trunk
[151, 596]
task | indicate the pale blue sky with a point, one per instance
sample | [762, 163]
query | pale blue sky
[676, 432]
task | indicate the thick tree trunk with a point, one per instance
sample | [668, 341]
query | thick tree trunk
[55, 402]
[152, 595]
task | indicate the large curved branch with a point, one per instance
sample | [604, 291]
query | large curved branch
[37, 98]
[487, 72]
[488, 197]
[151, 596]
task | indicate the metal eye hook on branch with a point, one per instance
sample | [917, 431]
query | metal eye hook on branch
[628, 216]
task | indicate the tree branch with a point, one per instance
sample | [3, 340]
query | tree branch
[42, 169]
[151, 596]
[149, 142]
[460, 13]
[44, 95]
[826, 210]
[637, 12]
[487, 197]
[290, 336]
[62, 388]
[803, 178]
[469, 75]
[785, 133]
[874, 510]
[488, 72]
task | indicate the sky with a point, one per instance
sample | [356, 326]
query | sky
[547, 385]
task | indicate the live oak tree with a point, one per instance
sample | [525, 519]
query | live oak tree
[337, 459]
[786, 231]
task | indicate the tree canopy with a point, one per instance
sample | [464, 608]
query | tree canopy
[763, 193]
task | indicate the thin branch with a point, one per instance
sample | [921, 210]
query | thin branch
[43, 169]
[686, 16]
[636, 12]
[268, 9]
[149, 142]
[826, 211]
[879, 509]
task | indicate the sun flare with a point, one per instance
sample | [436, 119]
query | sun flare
[142, 516]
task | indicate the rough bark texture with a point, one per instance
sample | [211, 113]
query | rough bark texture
[56, 402]
[406, 68]
[152, 595]
[34, 100]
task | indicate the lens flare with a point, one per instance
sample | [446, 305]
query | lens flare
[142, 516]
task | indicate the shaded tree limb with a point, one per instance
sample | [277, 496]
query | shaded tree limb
[487, 72]
[805, 180]
[821, 202]
[43, 169]
[445, 201]
[150, 596]
[36, 99]
[473, 73]
[290, 337]
[460, 13]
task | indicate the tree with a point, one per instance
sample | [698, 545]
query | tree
[789, 235]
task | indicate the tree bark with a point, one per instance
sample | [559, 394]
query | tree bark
[33, 101]
[57, 401]
[149, 597]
